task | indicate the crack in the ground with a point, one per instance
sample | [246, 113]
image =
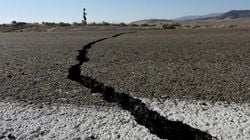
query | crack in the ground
[157, 124]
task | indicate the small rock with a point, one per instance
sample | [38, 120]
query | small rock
[165, 97]
[95, 94]
[180, 118]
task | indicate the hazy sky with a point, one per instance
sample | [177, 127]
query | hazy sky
[111, 10]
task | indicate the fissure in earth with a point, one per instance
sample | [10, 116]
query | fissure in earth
[157, 124]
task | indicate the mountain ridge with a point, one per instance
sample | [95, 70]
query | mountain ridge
[233, 14]
[230, 15]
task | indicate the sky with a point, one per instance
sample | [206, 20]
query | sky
[114, 11]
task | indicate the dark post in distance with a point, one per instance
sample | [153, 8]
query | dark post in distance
[84, 21]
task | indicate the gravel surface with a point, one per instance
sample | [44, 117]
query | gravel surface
[34, 67]
[222, 120]
[191, 64]
[169, 70]
[26, 121]
[29, 121]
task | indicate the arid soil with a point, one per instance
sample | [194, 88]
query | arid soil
[187, 64]
[34, 67]
[156, 76]
[184, 64]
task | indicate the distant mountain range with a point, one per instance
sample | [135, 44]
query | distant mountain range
[197, 17]
[234, 14]
[231, 15]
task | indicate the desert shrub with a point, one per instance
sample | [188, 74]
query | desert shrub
[13, 22]
[49, 23]
[144, 25]
[105, 23]
[62, 24]
[122, 24]
[168, 26]
[21, 23]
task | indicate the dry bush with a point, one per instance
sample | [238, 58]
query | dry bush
[62, 24]
[168, 26]
[122, 24]
[49, 23]
[105, 23]
[144, 25]
[13, 22]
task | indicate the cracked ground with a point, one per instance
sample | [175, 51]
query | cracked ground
[165, 64]
[210, 65]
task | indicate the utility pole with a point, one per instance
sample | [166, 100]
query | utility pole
[84, 21]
